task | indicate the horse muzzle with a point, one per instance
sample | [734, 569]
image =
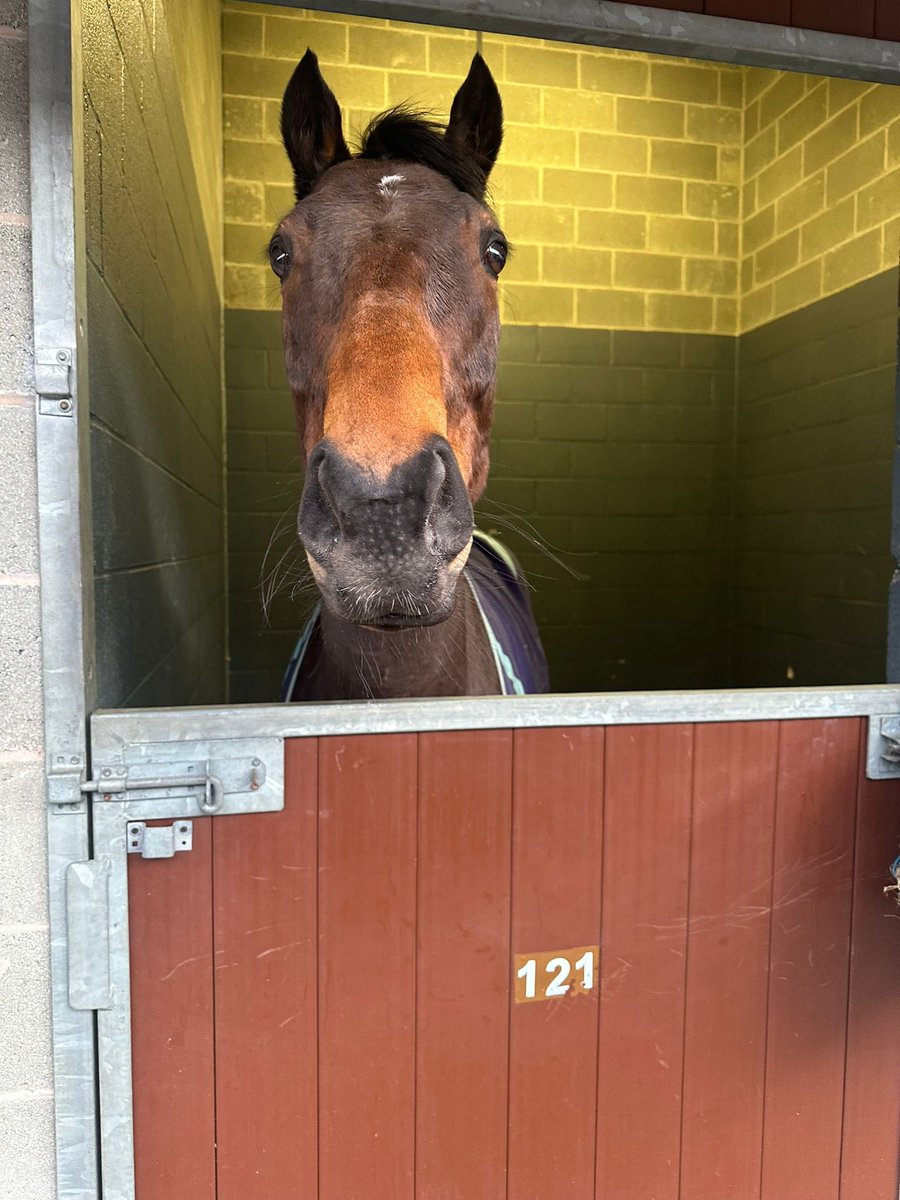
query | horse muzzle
[386, 551]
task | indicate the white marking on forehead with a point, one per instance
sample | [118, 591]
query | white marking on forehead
[387, 184]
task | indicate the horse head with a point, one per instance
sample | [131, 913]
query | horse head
[388, 265]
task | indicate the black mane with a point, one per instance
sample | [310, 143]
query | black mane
[410, 136]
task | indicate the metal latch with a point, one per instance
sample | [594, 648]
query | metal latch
[53, 382]
[118, 783]
[159, 841]
[171, 780]
[883, 751]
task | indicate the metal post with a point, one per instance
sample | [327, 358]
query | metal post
[57, 215]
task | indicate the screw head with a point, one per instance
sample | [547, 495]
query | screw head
[65, 405]
[62, 356]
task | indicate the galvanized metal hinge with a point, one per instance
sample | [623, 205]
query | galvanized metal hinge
[883, 750]
[53, 382]
[65, 773]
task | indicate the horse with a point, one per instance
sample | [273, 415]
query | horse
[388, 264]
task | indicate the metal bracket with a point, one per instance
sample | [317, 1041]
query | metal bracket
[883, 750]
[53, 382]
[159, 841]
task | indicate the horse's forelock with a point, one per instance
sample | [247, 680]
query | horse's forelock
[405, 135]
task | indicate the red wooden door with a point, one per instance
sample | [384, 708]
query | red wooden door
[328, 1002]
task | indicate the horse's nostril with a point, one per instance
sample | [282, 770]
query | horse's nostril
[437, 473]
[322, 481]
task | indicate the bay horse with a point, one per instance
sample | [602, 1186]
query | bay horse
[388, 265]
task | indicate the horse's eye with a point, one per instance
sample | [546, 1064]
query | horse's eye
[280, 258]
[495, 256]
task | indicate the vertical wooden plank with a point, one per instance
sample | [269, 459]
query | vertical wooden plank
[732, 833]
[266, 1028]
[464, 964]
[809, 957]
[646, 849]
[887, 20]
[367, 942]
[835, 16]
[770, 12]
[556, 862]
[170, 921]
[871, 1132]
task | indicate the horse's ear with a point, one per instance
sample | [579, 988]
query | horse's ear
[311, 125]
[476, 118]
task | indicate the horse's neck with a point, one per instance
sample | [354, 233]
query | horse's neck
[346, 662]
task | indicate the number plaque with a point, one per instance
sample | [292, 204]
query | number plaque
[553, 974]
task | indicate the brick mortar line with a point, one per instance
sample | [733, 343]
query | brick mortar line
[10, 218]
[29, 579]
[13, 758]
[26, 1094]
[16, 399]
[9, 33]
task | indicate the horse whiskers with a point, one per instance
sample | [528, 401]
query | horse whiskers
[279, 576]
[363, 678]
[280, 579]
[302, 588]
[515, 521]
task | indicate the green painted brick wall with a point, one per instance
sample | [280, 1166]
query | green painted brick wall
[612, 447]
[724, 503]
[815, 439]
[154, 305]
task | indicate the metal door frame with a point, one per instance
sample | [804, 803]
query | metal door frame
[64, 530]
[57, 205]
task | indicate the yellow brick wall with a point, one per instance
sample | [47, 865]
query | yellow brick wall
[618, 182]
[194, 32]
[821, 189]
[640, 192]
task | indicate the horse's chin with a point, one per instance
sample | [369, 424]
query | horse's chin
[396, 618]
[396, 622]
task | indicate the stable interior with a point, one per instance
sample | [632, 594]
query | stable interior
[695, 403]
